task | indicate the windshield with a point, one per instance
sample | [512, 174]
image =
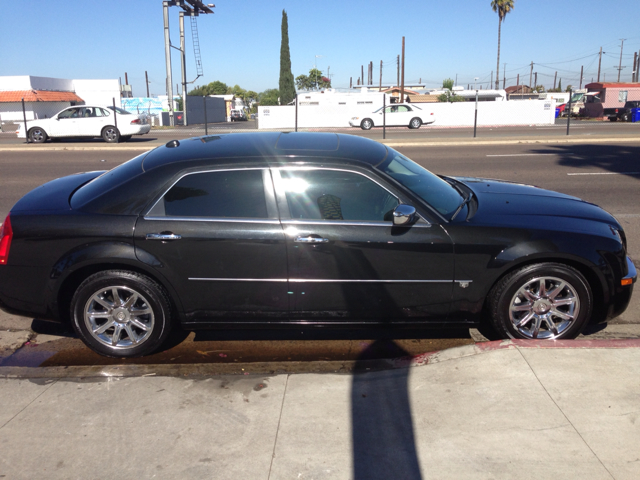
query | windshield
[442, 196]
[577, 97]
[120, 111]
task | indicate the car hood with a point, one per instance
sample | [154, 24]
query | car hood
[499, 199]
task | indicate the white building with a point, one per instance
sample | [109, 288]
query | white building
[46, 96]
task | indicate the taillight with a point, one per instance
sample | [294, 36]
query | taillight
[6, 234]
[137, 120]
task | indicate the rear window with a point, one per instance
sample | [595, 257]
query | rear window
[107, 181]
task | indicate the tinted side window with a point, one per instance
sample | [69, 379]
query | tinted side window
[336, 195]
[238, 194]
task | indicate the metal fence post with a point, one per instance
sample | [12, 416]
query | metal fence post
[384, 116]
[296, 99]
[204, 103]
[475, 120]
[115, 116]
[24, 116]
[569, 114]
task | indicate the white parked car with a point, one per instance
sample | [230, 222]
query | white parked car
[396, 115]
[87, 121]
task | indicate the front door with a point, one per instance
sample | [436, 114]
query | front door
[347, 261]
[216, 238]
[66, 123]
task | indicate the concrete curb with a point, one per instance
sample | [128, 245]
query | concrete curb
[483, 347]
[275, 368]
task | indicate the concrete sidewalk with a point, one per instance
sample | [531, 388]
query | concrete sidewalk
[497, 410]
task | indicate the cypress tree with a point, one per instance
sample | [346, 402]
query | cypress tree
[287, 87]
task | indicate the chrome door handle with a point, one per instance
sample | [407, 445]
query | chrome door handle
[311, 239]
[163, 236]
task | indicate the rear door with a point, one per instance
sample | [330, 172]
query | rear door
[216, 238]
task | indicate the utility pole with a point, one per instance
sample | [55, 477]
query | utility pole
[402, 85]
[398, 65]
[380, 86]
[633, 73]
[531, 75]
[535, 82]
[183, 71]
[581, 75]
[167, 54]
[350, 82]
[555, 78]
[491, 83]
[362, 73]
[599, 64]
[456, 84]
[146, 77]
[518, 81]
[620, 67]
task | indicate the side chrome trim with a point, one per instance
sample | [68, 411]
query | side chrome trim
[348, 223]
[213, 219]
[306, 280]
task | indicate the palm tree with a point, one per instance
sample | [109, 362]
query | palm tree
[502, 7]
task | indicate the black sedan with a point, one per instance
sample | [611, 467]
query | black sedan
[272, 229]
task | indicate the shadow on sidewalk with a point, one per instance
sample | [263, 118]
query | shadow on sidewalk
[382, 429]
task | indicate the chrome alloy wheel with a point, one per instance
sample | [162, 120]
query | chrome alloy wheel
[544, 308]
[37, 135]
[119, 317]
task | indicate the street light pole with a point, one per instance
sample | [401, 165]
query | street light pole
[315, 67]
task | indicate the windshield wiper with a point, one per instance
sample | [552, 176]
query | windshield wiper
[464, 202]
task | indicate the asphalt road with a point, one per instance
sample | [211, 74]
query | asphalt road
[578, 128]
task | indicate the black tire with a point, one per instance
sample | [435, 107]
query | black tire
[135, 323]
[613, 119]
[560, 312]
[415, 123]
[37, 135]
[125, 138]
[110, 134]
[625, 117]
[366, 124]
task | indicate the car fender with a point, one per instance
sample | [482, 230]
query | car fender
[116, 254]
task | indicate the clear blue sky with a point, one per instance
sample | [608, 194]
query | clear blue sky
[240, 43]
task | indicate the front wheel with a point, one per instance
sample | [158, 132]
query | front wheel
[121, 314]
[111, 134]
[415, 123]
[546, 301]
[366, 124]
[37, 135]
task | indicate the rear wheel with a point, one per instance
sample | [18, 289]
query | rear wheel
[415, 123]
[546, 301]
[110, 134]
[625, 117]
[366, 124]
[121, 314]
[37, 135]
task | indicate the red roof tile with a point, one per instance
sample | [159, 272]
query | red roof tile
[38, 96]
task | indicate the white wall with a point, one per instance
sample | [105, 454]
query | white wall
[447, 114]
[98, 92]
[28, 82]
[12, 112]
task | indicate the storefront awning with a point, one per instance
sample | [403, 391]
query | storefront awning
[592, 93]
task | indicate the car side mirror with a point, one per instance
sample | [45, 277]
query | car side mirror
[404, 215]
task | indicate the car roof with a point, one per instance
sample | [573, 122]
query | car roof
[261, 146]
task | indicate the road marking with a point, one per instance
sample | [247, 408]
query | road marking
[626, 215]
[606, 173]
[529, 154]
